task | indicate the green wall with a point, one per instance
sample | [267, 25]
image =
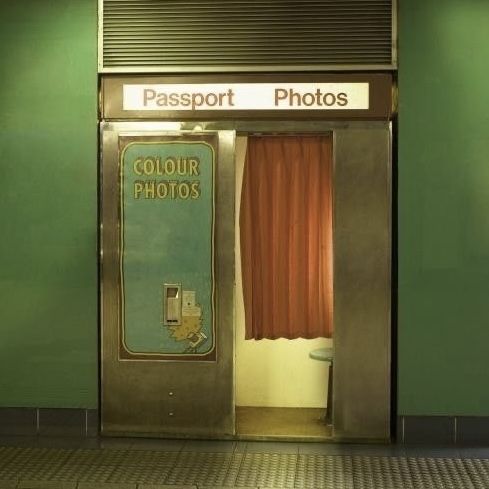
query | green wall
[48, 203]
[444, 208]
[48, 168]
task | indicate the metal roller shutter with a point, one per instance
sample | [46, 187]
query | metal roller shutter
[252, 35]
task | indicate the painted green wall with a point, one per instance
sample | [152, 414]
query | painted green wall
[48, 168]
[444, 208]
[48, 203]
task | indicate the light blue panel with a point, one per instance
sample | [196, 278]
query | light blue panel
[167, 238]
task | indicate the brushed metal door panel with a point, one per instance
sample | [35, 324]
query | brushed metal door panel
[164, 397]
[362, 283]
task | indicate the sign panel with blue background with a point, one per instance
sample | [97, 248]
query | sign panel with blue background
[166, 247]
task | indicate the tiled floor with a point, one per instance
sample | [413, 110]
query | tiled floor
[52, 463]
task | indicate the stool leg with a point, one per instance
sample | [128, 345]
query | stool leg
[329, 408]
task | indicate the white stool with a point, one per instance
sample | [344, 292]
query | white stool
[326, 355]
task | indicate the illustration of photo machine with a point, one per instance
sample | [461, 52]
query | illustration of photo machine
[172, 304]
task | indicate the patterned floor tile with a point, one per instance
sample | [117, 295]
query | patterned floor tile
[143, 468]
[140, 475]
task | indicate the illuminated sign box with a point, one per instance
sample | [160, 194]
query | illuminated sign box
[246, 96]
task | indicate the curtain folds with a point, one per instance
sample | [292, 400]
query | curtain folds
[286, 237]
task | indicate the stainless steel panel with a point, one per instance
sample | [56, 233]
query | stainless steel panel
[395, 10]
[166, 398]
[362, 256]
[250, 69]
[362, 283]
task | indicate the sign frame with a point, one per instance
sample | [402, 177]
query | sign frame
[380, 105]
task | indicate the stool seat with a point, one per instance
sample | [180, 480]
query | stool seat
[322, 354]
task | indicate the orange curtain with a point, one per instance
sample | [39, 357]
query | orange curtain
[286, 237]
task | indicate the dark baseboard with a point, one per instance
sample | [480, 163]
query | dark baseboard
[428, 430]
[49, 422]
[443, 430]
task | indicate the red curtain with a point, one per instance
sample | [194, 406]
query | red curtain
[286, 237]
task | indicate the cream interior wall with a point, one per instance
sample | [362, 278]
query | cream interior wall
[273, 373]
